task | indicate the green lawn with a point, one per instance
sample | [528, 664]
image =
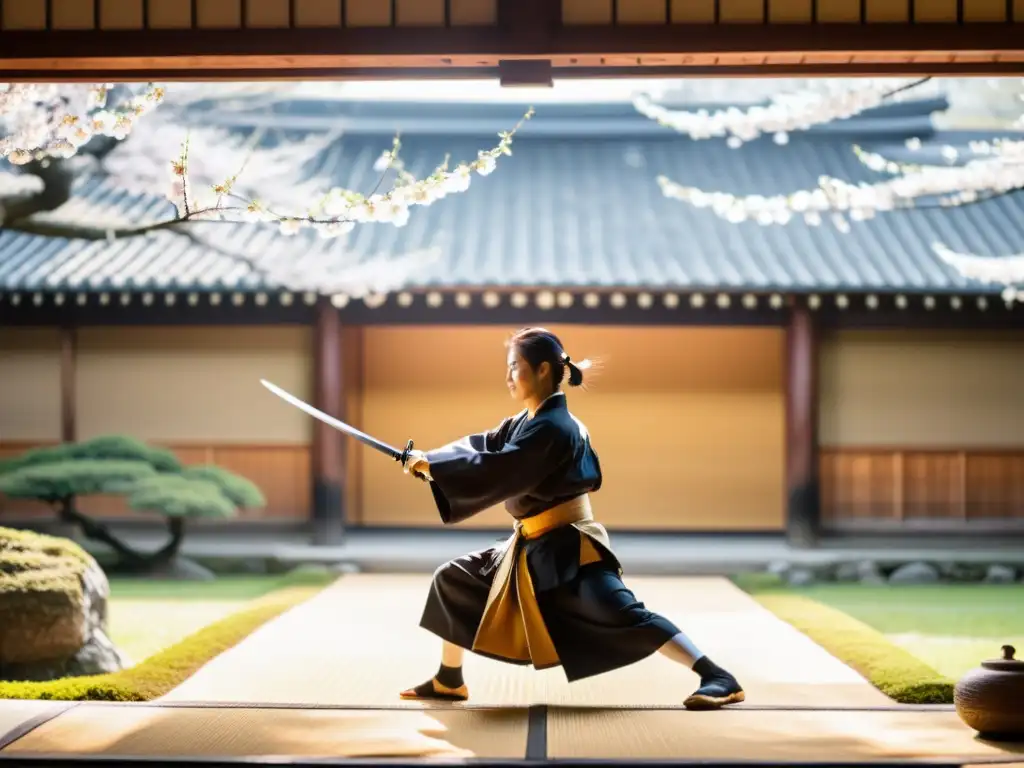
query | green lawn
[913, 643]
[171, 629]
[147, 616]
[950, 627]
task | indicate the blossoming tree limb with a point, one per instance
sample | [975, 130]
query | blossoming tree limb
[55, 121]
[988, 169]
[45, 134]
[338, 210]
[785, 112]
[54, 136]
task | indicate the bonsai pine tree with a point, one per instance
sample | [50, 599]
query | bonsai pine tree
[238, 490]
[150, 479]
[197, 492]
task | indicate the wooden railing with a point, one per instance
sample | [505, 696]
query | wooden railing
[904, 484]
[282, 473]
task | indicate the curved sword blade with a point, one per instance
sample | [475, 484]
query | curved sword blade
[339, 425]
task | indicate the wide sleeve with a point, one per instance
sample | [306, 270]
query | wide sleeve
[469, 476]
[492, 440]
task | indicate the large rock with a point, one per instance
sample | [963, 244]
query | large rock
[1000, 574]
[864, 571]
[847, 572]
[915, 573]
[53, 610]
[963, 572]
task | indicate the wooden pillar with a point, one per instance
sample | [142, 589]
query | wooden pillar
[328, 443]
[68, 377]
[68, 420]
[803, 490]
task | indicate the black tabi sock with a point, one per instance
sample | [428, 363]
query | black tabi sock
[708, 670]
[449, 677]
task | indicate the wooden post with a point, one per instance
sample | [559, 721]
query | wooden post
[68, 376]
[328, 444]
[68, 418]
[803, 489]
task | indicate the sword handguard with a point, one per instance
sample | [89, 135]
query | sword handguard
[405, 454]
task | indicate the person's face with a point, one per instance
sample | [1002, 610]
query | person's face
[524, 383]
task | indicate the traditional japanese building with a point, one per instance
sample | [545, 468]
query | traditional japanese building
[777, 379]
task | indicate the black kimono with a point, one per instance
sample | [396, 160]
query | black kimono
[588, 621]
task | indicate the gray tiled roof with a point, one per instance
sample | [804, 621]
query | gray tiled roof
[566, 211]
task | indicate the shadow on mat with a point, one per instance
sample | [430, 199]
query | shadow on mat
[154, 732]
[1009, 747]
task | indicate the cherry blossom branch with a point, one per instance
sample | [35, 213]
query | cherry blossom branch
[844, 201]
[784, 114]
[993, 169]
[43, 140]
[70, 231]
[50, 121]
[1007, 271]
[997, 171]
[335, 214]
[339, 210]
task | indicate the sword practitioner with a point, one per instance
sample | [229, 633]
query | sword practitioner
[552, 594]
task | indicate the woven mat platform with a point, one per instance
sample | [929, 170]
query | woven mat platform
[451, 732]
[127, 730]
[359, 643]
[322, 681]
[770, 735]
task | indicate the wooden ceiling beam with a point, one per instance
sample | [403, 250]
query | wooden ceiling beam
[670, 51]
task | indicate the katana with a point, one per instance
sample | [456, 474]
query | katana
[341, 426]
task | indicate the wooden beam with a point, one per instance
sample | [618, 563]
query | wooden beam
[328, 444]
[955, 67]
[68, 378]
[803, 488]
[671, 48]
[536, 37]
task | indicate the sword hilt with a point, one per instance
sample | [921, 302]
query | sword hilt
[405, 453]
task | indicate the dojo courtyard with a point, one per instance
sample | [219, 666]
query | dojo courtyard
[320, 681]
[812, 461]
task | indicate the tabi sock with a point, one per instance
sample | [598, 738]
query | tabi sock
[708, 670]
[449, 677]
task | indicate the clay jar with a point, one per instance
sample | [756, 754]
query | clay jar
[990, 699]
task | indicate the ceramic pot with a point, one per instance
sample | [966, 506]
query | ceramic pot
[990, 699]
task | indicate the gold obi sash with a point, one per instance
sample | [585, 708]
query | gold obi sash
[512, 626]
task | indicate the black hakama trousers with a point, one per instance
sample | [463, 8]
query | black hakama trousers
[595, 622]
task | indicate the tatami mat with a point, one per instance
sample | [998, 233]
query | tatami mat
[147, 731]
[767, 736]
[17, 716]
[359, 643]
